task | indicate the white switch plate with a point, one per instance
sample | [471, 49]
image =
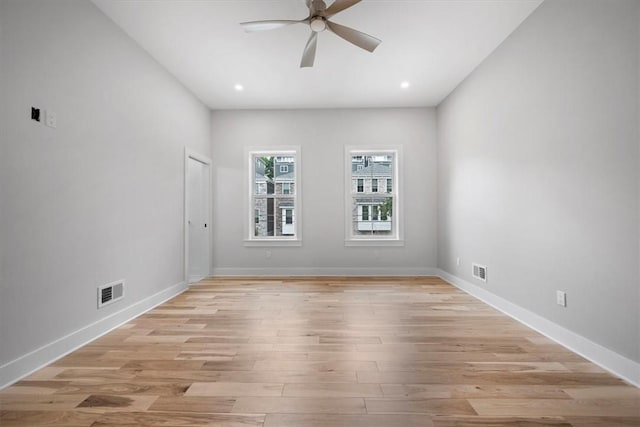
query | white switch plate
[50, 119]
[561, 298]
[458, 261]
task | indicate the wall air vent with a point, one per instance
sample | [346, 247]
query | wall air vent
[109, 293]
[479, 272]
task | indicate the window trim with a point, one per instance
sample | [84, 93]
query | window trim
[249, 225]
[397, 237]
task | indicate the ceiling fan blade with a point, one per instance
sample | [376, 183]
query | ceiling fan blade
[339, 5]
[309, 54]
[253, 26]
[362, 40]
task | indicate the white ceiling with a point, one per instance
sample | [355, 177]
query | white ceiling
[432, 44]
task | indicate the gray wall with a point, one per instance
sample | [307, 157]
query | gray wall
[100, 198]
[538, 170]
[322, 135]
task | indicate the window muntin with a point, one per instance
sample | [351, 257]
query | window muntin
[372, 196]
[274, 198]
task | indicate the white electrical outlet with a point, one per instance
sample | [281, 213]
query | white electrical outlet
[458, 261]
[561, 298]
[51, 119]
[267, 254]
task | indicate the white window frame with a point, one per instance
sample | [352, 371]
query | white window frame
[275, 151]
[397, 236]
[284, 168]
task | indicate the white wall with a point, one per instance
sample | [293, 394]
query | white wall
[539, 170]
[322, 135]
[98, 199]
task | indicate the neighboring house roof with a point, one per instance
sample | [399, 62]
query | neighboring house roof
[286, 203]
[375, 169]
[369, 200]
[290, 176]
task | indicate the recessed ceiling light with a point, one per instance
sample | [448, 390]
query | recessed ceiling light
[405, 85]
[239, 87]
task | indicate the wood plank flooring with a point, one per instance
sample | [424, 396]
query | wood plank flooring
[317, 352]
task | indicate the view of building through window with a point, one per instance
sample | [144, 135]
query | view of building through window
[372, 194]
[274, 195]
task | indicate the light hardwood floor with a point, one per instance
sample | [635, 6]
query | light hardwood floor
[321, 352]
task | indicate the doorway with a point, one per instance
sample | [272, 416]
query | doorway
[197, 215]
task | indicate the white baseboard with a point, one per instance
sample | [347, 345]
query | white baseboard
[327, 271]
[613, 362]
[25, 365]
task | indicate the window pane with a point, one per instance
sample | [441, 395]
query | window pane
[372, 216]
[260, 217]
[273, 200]
[285, 223]
[373, 195]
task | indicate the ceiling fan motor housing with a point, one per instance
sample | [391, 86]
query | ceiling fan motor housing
[317, 6]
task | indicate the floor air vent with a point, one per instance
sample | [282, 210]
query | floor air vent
[480, 272]
[110, 292]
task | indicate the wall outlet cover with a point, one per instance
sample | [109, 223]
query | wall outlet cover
[561, 298]
[51, 119]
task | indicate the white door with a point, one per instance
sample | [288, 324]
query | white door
[197, 214]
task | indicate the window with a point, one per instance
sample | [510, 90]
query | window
[274, 199]
[373, 209]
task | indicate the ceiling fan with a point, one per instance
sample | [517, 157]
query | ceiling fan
[318, 20]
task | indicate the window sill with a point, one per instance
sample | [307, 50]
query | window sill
[272, 243]
[373, 242]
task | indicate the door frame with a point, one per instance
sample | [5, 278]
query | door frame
[193, 155]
